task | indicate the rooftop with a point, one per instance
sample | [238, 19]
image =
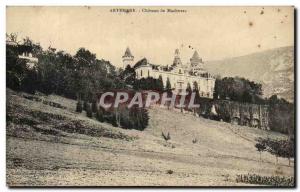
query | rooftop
[127, 53]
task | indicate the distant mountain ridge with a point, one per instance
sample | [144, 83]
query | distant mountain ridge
[273, 68]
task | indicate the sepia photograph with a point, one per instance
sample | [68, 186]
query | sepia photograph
[150, 96]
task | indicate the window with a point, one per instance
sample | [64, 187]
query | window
[148, 73]
[141, 73]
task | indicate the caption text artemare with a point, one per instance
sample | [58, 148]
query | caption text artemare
[147, 10]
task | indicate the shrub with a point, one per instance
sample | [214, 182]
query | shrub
[279, 148]
[85, 105]
[170, 171]
[89, 112]
[266, 180]
[166, 137]
[99, 115]
[79, 107]
[94, 107]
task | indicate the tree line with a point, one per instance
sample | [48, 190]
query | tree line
[80, 76]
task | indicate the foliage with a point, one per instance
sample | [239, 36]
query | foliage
[99, 114]
[76, 77]
[238, 89]
[281, 115]
[197, 95]
[94, 106]
[89, 112]
[18, 76]
[148, 84]
[85, 105]
[160, 84]
[168, 85]
[128, 75]
[79, 107]
[279, 148]
[188, 88]
[133, 118]
[170, 171]
[266, 180]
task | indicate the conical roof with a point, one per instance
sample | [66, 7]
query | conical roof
[127, 53]
[195, 55]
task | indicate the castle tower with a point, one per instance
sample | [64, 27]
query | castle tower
[127, 58]
[177, 61]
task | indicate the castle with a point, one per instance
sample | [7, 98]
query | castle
[179, 75]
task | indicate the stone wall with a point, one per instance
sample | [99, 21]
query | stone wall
[252, 115]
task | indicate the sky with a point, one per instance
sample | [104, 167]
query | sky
[215, 32]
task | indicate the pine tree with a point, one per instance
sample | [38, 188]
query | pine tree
[113, 120]
[94, 107]
[168, 85]
[85, 104]
[160, 83]
[188, 88]
[89, 112]
[197, 95]
[99, 115]
[169, 91]
[79, 107]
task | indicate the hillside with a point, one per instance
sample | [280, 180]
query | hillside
[273, 68]
[54, 145]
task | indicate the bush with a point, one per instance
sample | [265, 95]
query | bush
[133, 118]
[99, 115]
[94, 107]
[79, 107]
[85, 105]
[266, 180]
[89, 112]
[279, 148]
[166, 137]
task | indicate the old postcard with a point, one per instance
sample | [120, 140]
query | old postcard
[150, 96]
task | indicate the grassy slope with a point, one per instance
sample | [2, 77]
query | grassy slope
[43, 151]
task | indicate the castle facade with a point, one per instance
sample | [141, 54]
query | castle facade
[179, 74]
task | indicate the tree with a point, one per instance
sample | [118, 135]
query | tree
[197, 94]
[99, 114]
[160, 84]
[89, 112]
[79, 107]
[279, 148]
[12, 37]
[128, 75]
[85, 105]
[188, 88]
[260, 146]
[217, 88]
[281, 115]
[287, 149]
[238, 89]
[47, 72]
[94, 106]
[168, 85]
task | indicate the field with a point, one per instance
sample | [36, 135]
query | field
[55, 146]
